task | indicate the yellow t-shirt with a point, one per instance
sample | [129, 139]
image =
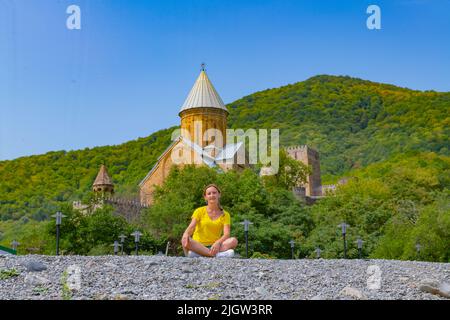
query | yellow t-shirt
[208, 231]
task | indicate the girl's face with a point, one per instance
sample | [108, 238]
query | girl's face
[212, 195]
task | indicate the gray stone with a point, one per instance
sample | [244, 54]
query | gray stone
[263, 292]
[34, 266]
[36, 280]
[435, 287]
[352, 293]
[128, 292]
[110, 265]
[185, 269]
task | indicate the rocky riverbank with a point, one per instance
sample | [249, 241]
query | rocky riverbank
[159, 277]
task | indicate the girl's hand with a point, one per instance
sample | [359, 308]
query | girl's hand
[185, 240]
[215, 248]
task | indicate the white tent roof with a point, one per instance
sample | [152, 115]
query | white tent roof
[203, 95]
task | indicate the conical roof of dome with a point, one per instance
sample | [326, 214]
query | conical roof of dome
[203, 95]
[103, 177]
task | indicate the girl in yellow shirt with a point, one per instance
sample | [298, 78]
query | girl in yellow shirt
[208, 234]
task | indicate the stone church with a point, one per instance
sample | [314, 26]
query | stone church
[204, 111]
[202, 139]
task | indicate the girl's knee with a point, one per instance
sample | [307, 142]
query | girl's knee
[233, 242]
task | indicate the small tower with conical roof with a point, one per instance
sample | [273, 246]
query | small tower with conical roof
[103, 184]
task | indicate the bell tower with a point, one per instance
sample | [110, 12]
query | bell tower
[103, 184]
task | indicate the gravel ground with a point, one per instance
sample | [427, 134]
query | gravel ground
[172, 278]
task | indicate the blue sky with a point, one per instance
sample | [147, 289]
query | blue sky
[126, 73]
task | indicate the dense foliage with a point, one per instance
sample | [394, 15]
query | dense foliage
[391, 206]
[80, 233]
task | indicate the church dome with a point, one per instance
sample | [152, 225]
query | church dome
[203, 95]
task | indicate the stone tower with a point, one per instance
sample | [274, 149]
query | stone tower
[103, 185]
[204, 115]
[202, 140]
[310, 157]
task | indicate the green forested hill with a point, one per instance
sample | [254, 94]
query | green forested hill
[351, 122]
[35, 185]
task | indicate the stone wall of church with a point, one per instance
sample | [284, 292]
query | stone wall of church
[156, 178]
[182, 155]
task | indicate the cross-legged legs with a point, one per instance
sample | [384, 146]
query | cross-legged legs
[196, 247]
[199, 248]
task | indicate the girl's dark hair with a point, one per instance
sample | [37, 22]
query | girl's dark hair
[217, 188]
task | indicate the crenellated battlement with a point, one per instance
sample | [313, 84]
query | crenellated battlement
[297, 148]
